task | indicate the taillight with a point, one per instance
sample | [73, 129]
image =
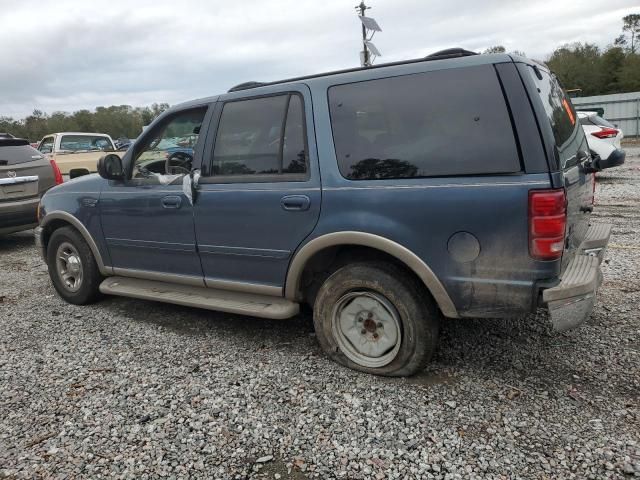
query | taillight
[547, 223]
[606, 133]
[57, 175]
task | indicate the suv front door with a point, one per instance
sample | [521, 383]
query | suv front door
[259, 196]
[147, 220]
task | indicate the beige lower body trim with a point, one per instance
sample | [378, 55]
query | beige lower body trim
[258, 289]
[192, 280]
[67, 217]
[394, 249]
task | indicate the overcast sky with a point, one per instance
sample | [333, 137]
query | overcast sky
[64, 55]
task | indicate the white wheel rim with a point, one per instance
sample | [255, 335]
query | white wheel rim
[366, 327]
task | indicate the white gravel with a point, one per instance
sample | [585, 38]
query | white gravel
[134, 389]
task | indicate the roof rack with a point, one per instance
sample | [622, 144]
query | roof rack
[246, 85]
[450, 53]
[440, 55]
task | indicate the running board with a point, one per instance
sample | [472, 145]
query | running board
[201, 297]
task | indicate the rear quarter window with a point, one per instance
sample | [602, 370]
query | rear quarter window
[567, 132]
[77, 143]
[441, 123]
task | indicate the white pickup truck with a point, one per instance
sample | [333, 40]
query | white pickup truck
[75, 150]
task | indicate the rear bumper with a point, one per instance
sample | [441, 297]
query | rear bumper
[18, 215]
[571, 301]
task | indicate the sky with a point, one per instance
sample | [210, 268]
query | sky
[65, 55]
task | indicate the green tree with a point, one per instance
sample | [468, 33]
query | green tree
[495, 49]
[611, 63]
[629, 75]
[631, 26]
[579, 66]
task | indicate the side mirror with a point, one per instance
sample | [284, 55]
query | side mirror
[110, 167]
[614, 160]
[77, 172]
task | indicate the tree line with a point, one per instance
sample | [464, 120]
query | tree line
[591, 70]
[116, 120]
[580, 66]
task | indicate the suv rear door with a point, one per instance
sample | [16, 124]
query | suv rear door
[259, 195]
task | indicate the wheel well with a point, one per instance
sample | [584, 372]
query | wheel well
[323, 263]
[51, 227]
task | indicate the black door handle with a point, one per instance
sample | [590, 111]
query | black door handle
[295, 202]
[171, 201]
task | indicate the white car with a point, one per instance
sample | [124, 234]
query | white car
[603, 137]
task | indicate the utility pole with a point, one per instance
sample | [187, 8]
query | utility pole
[365, 50]
[369, 50]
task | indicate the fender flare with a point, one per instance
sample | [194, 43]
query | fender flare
[77, 224]
[403, 254]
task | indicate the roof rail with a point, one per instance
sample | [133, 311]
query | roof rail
[450, 53]
[442, 54]
[246, 86]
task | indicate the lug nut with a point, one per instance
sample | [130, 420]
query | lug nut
[375, 335]
[379, 324]
[363, 331]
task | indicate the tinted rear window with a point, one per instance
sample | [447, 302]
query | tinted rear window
[77, 143]
[562, 117]
[15, 154]
[442, 123]
[601, 122]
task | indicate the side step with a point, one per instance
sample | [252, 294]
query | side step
[201, 297]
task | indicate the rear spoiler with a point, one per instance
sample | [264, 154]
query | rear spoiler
[13, 142]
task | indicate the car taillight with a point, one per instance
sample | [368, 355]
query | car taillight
[606, 133]
[57, 175]
[547, 223]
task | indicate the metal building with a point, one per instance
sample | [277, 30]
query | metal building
[623, 109]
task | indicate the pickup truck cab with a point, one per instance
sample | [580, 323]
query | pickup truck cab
[76, 151]
[388, 198]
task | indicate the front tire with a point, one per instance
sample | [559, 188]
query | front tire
[376, 318]
[72, 267]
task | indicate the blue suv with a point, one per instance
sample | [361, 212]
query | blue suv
[387, 198]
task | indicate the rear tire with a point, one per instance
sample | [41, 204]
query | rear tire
[376, 318]
[72, 267]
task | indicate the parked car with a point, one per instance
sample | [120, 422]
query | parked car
[380, 196]
[604, 137]
[123, 143]
[25, 175]
[76, 151]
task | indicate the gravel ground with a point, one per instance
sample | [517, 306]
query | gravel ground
[134, 389]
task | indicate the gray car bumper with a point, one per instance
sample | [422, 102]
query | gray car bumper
[571, 301]
[18, 215]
